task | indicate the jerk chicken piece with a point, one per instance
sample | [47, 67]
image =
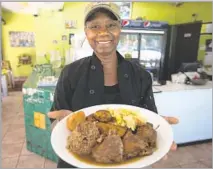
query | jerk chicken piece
[110, 150]
[103, 116]
[83, 138]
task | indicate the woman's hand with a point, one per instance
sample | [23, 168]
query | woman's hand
[58, 115]
[171, 120]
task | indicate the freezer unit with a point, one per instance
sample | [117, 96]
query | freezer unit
[145, 42]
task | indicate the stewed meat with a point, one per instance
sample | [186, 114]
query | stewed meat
[148, 134]
[133, 145]
[141, 143]
[110, 150]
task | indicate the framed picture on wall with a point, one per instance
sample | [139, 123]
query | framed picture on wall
[71, 36]
[21, 39]
[71, 24]
[206, 28]
[64, 38]
[209, 45]
[125, 9]
[208, 53]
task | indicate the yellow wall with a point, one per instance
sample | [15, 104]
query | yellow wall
[16, 22]
[51, 26]
[203, 9]
[158, 11]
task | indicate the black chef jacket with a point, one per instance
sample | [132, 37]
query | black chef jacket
[81, 84]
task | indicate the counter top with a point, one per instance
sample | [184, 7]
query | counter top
[33, 79]
[172, 87]
[32, 82]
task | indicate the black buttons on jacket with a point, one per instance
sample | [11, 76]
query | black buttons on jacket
[93, 67]
[133, 101]
[126, 76]
[91, 91]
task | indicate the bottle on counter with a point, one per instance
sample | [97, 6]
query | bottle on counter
[55, 59]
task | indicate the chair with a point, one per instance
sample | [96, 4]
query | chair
[7, 70]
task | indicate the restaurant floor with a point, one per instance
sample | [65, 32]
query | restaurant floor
[15, 154]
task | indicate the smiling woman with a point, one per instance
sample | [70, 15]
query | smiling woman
[105, 77]
[102, 29]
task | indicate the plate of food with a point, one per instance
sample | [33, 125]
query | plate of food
[112, 136]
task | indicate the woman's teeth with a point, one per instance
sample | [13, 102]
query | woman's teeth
[104, 42]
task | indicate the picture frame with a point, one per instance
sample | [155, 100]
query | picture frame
[64, 37]
[208, 45]
[206, 28]
[125, 9]
[22, 39]
[71, 36]
[71, 24]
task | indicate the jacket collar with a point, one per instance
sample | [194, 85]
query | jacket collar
[97, 61]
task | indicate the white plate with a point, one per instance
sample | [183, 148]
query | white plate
[164, 139]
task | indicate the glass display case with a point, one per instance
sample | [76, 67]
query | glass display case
[148, 46]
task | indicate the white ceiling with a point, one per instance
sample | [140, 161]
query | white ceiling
[31, 7]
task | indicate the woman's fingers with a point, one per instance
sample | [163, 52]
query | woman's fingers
[171, 120]
[58, 114]
[174, 146]
[165, 157]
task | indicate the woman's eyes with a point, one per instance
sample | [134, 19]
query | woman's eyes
[111, 25]
[95, 26]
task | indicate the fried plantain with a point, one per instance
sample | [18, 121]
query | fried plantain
[75, 119]
[91, 118]
[105, 128]
[103, 116]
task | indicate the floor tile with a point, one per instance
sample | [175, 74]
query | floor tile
[11, 150]
[9, 162]
[18, 123]
[208, 163]
[7, 120]
[162, 166]
[7, 114]
[194, 165]
[4, 130]
[31, 161]
[16, 128]
[25, 151]
[199, 153]
[17, 136]
[169, 163]
[204, 146]
[50, 164]
[183, 156]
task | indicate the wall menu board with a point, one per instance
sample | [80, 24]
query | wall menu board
[209, 45]
[208, 52]
[21, 39]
